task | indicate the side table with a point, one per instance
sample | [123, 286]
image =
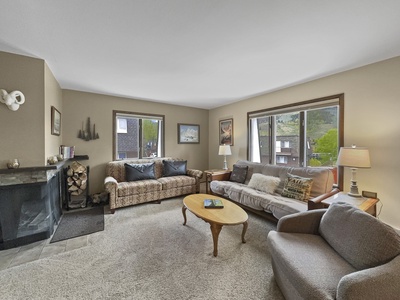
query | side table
[216, 174]
[366, 204]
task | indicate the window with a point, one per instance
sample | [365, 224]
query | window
[308, 133]
[137, 135]
[281, 160]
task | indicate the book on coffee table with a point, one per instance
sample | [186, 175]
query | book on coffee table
[213, 203]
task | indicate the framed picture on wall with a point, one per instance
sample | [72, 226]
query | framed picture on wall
[188, 134]
[226, 132]
[55, 121]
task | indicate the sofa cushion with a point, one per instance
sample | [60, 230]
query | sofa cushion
[174, 167]
[297, 187]
[264, 183]
[172, 182]
[138, 187]
[139, 171]
[238, 173]
[358, 237]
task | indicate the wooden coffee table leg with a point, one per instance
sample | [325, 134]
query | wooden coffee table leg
[245, 224]
[215, 230]
[184, 214]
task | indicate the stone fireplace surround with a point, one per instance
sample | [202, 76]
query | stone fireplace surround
[31, 201]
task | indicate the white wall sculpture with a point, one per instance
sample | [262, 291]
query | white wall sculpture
[13, 100]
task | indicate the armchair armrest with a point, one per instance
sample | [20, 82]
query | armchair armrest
[382, 282]
[303, 222]
[315, 203]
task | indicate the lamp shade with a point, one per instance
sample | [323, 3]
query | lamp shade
[354, 157]
[224, 150]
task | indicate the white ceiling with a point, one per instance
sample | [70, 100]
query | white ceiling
[198, 53]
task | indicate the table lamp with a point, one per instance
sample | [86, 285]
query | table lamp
[354, 158]
[225, 150]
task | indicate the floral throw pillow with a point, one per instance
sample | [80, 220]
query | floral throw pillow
[297, 187]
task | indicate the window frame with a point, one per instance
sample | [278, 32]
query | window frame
[301, 106]
[118, 113]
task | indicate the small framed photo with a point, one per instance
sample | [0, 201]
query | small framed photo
[188, 134]
[226, 132]
[55, 121]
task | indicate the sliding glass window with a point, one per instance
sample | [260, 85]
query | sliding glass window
[306, 134]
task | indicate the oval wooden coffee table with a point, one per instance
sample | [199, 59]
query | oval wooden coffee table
[231, 214]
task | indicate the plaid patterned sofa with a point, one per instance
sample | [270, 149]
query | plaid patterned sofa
[125, 193]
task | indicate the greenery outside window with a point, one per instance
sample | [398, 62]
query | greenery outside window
[305, 134]
[137, 135]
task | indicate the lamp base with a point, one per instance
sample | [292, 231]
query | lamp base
[225, 164]
[354, 195]
[353, 187]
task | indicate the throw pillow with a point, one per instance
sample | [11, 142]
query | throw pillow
[239, 173]
[174, 167]
[264, 183]
[361, 239]
[297, 187]
[134, 172]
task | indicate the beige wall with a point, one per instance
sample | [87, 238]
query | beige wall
[22, 131]
[372, 106]
[371, 120]
[53, 97]
[78, 106]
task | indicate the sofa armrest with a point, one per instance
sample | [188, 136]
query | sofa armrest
[382, 282]
[316, 203]
[110, 179]
[303, 222]
[110, 185]
[194, 173]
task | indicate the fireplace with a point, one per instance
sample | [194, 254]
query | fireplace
[31, 201]
[29, 211]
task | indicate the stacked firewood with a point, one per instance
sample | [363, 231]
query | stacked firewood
[76, 178]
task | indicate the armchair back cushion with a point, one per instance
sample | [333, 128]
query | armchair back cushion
[362, 240]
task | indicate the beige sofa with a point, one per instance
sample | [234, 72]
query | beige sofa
[276, 204]
[339, 253]
[125, 193]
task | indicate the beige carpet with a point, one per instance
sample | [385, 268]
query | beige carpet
[146, 253]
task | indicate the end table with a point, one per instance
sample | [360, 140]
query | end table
[366, 204]
[216, 174]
